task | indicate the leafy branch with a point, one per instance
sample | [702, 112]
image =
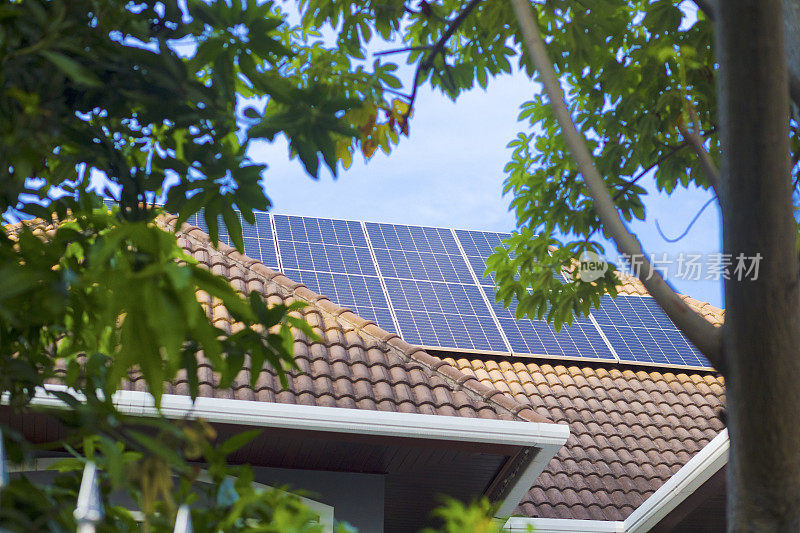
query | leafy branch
[437, 48]
[700, 332]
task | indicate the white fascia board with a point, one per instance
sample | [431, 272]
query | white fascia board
[558, 525]
[525, 481]
[334, 419]
[683, 483]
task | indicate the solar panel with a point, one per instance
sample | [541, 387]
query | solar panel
[640, 331]
[258, 241]
[323, 245]
[410, 252]
[326, 258]
[537, 337]
[447, 315]
[332, 258]
[319, 230]
[478, 246]
[420, 280]
[412, 238]
[361, 294]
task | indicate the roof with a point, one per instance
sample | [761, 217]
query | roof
[630, 430]
[354, 365]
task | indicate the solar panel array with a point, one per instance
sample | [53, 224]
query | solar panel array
[258, 240]
[427, 285]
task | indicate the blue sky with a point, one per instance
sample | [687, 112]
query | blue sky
[449, 173]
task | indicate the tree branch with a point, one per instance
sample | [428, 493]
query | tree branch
[401, 50]
[640, 175]
[700, 332]
[436, 50]
[709, 167]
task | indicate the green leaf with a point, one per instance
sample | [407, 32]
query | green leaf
[77, 72]
[235, 442]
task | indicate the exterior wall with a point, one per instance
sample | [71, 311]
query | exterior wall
[357, 499]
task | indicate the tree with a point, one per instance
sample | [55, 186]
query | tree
[650, 91]
[100, 96]
[140, 101]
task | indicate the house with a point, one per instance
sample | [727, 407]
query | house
[376, 427]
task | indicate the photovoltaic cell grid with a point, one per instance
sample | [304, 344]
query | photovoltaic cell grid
[332, 258]
[323, 245]
[409, 252]
[537, 337]
[431, 289]
[478, 246]
[641, 332]
[447, 315]
[258, 241]
[361, 294]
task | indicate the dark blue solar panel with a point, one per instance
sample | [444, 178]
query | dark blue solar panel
[326, 258]
[361, 294]
[258, 241]
[641, 332]
[411, 252]
[412, 238]
[478, 246]
[445, 315]
[323, 245]
[319, 230]
[537, 337]
[423, 266]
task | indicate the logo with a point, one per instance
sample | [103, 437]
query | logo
[591, 267]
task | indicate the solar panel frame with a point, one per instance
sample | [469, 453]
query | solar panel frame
[432, 314]
[417, 252]
[640, 332]
[433, 267]
[312, 244]
[259, 243]
[361, 294]
[477, 247]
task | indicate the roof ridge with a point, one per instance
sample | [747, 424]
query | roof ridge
[389, 341]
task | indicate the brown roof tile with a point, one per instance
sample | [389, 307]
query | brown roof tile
[629, 431]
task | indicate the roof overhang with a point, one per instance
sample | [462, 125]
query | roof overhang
[421, 455]
[662, 507]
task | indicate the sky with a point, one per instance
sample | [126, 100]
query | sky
[449, 173]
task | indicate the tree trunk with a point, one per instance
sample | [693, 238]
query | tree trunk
[761, 338]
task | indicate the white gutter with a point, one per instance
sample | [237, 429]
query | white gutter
[688, 479]
[558, 525]
[334, 419]
[343, 420]
[680, 486]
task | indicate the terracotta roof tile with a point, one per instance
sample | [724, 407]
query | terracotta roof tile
[630, 430]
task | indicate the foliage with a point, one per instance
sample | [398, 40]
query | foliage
[151, 101]
[156, 474]
[144, 101]
[635, 72]
[475, 517]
